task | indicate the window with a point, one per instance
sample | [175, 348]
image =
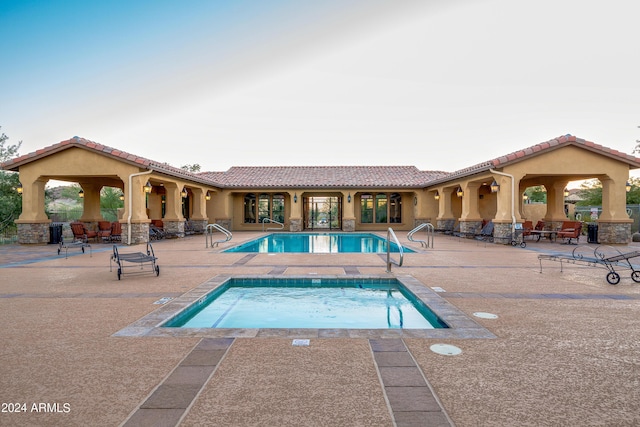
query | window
[381, 208]
[259, 207]
[366, 208]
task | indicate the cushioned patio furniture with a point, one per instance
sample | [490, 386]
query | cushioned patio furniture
[116, 232]
[570, 230]
[81, 233]
[104, 230]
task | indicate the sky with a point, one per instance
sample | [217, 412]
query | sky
[436, 84]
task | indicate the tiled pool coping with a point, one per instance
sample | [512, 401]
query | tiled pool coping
[460, 325]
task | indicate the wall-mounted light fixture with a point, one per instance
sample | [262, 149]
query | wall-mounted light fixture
[349, 198]
[295, 197]
[19, 188]
[566, 192]
[81, 193]
[147, 187]
[495, 187]
[436, 196]
[627, 186]
[121, 197]
[459, 192]
[183, 193]
[208, 196]
[525, 197]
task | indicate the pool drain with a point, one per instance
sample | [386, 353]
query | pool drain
[300, 343]
[446, 349]
[483, 315]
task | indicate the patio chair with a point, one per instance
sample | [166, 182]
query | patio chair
[81, 233]
[486, 233]
[116, 231]
[570, 230]
[527, 226]
[104, 230]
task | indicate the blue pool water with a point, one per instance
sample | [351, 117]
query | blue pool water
[318, 243]
[309, 303]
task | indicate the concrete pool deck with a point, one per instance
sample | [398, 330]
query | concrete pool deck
[566, 349]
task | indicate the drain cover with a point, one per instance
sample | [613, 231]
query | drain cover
[300, 343]
[446, 349]
[482, 315]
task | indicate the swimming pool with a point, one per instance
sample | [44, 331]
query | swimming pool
[309, 303]
[318, 243]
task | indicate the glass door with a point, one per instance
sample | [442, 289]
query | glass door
[323, 213]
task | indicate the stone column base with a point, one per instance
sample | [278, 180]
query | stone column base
[295, 224]
[348, 225]
[502, 233]
[31, 233]
[198, 225]
[174, 228]
[469, 228]
[613, 233]
[139, 233]
[445, 224]
[224, 222]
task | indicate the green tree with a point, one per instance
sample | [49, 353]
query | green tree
[591, 193]
[10, 200]
[537, 194]
[191, 168]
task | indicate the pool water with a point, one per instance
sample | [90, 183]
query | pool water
[309, 303]
[318, 243]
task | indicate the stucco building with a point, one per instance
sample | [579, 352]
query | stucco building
[339, 198]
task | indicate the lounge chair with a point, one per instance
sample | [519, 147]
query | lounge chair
[81, 233]
[486, 233]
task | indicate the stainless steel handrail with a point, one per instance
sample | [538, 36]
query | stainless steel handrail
[265, 220]
[390, 261]
[208, 234]
[430, 231]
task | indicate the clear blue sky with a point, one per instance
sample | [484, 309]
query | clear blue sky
[441, 85]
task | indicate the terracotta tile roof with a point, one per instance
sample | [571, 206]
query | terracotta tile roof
[323, 176]
[139, 161]
[534, 150]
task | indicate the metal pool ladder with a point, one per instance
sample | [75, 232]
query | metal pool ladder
[424, 243]
[208, 235]
[390, 261]
[265, 220]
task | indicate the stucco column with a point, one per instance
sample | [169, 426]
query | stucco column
[445, 210]
[295, 219]
[32, 201]
[470, 210]
[91, 202]
[614, 199]
[348, 211]
[173, 202]
[555, 202]
[199, 204]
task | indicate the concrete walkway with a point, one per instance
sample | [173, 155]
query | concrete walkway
[566, 349]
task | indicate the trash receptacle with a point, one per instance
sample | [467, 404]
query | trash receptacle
[592, 233]
[55, 233]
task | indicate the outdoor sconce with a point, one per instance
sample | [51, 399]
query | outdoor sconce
[121, 197]
[183, 193]
[19, 188]
[349, 198]
[436, 196]
[208, 196]
[525, 197]
[459, 192]
[566, 192]
[81, 193]
[627, 186]
[495, 187]
[147, 187]
[295, 197]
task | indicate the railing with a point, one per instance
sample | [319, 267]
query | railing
[265, 220]
[390, 261]
[424, 243]
[208, 235]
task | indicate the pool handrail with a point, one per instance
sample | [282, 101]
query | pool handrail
[390, 261]
[430, 230]
[208, 234]
[265, 220]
